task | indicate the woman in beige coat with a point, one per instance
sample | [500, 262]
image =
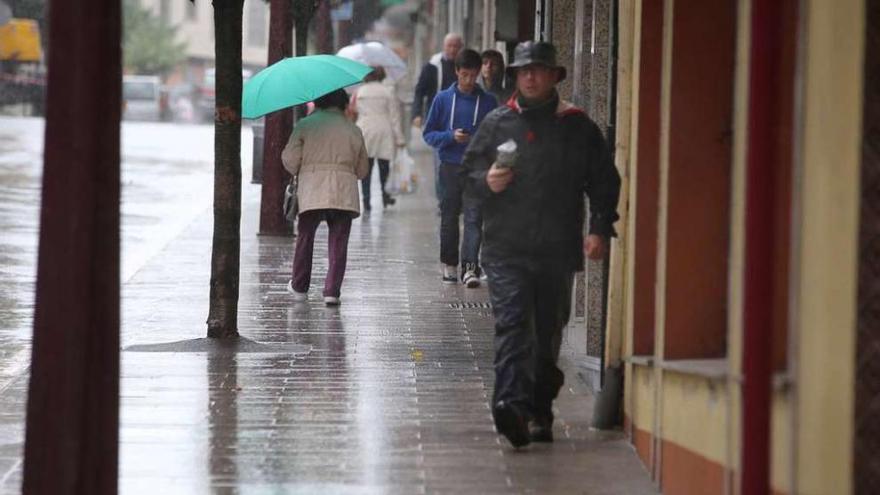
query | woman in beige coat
[378, 116]
[327, 153]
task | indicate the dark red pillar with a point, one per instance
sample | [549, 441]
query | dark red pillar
[71, 444]
[278, 127]
[324, 29]
[763, 161]
[344, 30]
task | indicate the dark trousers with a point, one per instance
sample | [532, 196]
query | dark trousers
[531, 301]
[451, 205]
[339, 223]
[438, 186]
[384, 170]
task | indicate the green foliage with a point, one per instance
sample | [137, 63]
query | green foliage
[149, 45]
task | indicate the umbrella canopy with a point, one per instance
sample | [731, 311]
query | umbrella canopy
[298, 80]
[378, 55]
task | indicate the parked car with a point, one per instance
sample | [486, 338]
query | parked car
[205, 94]
[142, 97]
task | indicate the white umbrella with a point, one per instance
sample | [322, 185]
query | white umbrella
[377, 55]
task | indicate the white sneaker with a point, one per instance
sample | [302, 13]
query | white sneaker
[297, 296]
[332, 301]
[450, 274]
[471, 280]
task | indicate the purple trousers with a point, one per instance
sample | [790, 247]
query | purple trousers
[339, 223]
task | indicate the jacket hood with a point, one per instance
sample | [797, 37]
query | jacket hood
[478, 90]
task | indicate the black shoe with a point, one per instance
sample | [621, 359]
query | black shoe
[450, 274]
[367, 206]
[541, 430]
[511, 423]
[387, 200]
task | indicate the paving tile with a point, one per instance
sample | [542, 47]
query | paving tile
[391, 397]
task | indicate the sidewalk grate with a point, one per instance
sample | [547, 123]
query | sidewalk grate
[470, 305]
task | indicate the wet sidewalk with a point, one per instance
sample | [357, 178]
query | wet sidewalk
[386, 394]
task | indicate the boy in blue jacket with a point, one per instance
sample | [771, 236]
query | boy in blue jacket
[455, 115]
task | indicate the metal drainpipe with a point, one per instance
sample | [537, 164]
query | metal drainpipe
[762, 160]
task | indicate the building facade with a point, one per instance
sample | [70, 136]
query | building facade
[195, 27]
[698, 307]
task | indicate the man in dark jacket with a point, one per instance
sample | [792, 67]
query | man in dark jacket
[437, 75]
[533, 243]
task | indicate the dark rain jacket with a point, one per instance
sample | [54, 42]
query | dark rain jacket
[436, 75]
[562, 157]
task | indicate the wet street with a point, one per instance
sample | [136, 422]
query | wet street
[386, 394]
[166, 183]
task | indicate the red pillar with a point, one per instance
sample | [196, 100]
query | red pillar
[344, 33]
[324, 28]
[72, 434]
[762, 163]
[278, 127]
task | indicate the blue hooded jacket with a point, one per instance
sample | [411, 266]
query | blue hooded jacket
[452, 110]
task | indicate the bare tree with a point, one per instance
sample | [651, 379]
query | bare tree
[225, 254]
[303, 12]
[324, 29]
[278, 127]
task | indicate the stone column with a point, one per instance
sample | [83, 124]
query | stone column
[564, 38]
[574, 44]
[601, 111]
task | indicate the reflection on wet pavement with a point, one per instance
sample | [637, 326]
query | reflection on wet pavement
[387, 394]
[167, 176]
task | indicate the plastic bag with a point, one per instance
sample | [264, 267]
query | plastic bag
[403, 178]
[290, 205]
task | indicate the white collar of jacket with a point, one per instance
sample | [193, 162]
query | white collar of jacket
[437, 61]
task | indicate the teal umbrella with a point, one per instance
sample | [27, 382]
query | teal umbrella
[298, 80]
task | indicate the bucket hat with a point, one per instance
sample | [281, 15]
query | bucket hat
[532, 53]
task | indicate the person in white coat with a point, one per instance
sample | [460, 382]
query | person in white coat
[377, 112]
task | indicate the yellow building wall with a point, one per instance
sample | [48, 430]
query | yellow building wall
[643, 403]
[695, 414]
[780, 444]
[827, 260]
[811, 446]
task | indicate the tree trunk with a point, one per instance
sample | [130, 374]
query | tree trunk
[302, 37]
[303, 11]
[72, 430]
[324, 29]
[223, 313]
[366, 13]
[278, 127]
[344, 31]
